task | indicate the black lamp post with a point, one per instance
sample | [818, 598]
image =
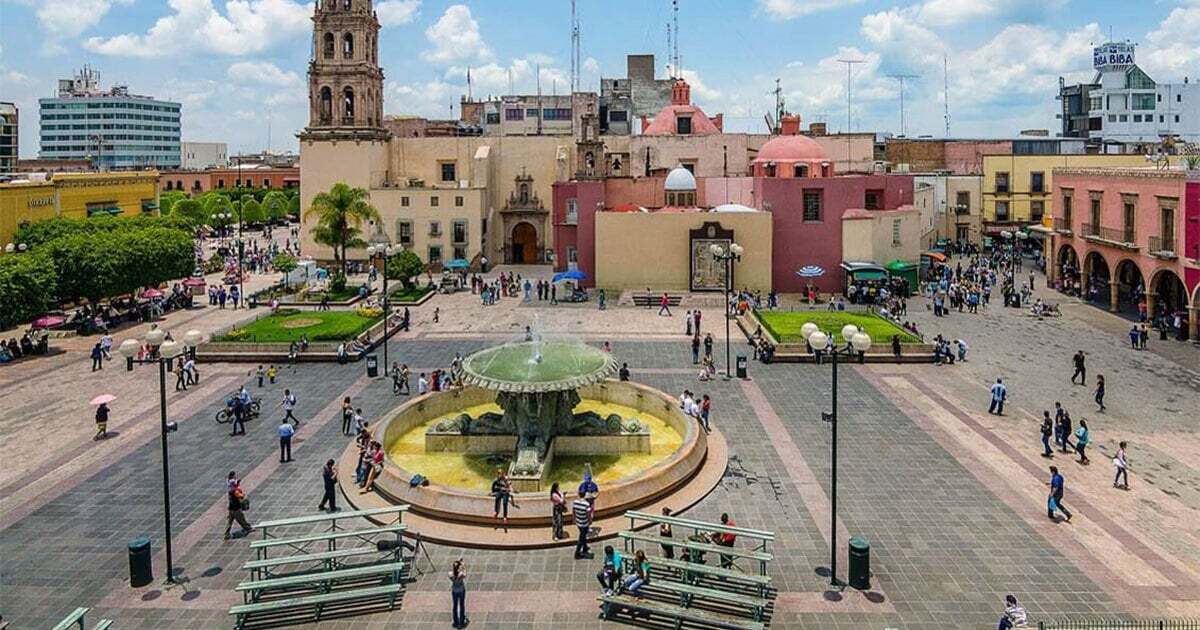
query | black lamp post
[384, 252]
[857, 343]
[728, 257]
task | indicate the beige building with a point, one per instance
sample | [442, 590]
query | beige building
[655, 249]
[881, 235]
[957, 201]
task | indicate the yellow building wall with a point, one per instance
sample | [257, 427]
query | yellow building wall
[1020, 168]
[872, 239]
[323, 164]
[636, 250]
[70, 194]
[24, 202]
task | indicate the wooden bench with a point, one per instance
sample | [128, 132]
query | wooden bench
[611, 603]
[691, 570]
[328, 560]
[324, 580]
[318, 602]
[761, 557]
[299, 543]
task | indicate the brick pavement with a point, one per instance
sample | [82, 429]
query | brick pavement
[924, 476]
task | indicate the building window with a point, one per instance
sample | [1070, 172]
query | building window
[347, 46]
[1116, 102]
[514, 114]
[1112, 118]
[800, 170]
[1162, 118]
[689, 166]
[770, 169]
[1176, 117]
[448, 171]
[435, 228]
[618, 115]
[458, 232]
[531, 113]
[460, 252]
[1137, 118]
[1158, 97]
[1001, 182]
[433, 201]
[1037, 182]
[220, 183]
[404, 233]
[492, 118]
[328, 47]
[1036, 210]
[1130, 216]
[458, 201]
[683, 125]
[1001, 210]
[812, 205]
[572, 254]
[1122, 118]
[962, 202]
[873, 200]
[1095, 103]
[1067, 211]
[896, 232]
[572, 217]
[557, 113]
[1166, 227]
[1178, 98]
[266, 183]
[435, 254]
[1095, 215]
[1142, 101]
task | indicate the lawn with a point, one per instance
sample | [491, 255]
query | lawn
[345, 295]
[289, 325]
[786, 325]
[411, 295]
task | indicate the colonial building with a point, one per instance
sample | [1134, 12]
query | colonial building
[75, 195]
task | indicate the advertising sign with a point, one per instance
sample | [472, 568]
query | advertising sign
[1112, 56]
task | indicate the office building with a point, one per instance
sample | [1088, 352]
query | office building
[202, 155]
[113, 128]
[9, 116]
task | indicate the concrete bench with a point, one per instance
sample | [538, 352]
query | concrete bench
[317, 602]
[611, 603]
[251, 590]
[327, 559]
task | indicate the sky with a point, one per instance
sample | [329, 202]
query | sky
[238, 66]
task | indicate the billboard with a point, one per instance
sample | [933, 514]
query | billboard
[1108, 56]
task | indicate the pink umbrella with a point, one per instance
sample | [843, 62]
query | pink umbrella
[48, 321]
[194, 282]
[151, 294]
[103, 399]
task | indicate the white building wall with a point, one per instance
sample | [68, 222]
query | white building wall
[202, 155]
[1176, 110]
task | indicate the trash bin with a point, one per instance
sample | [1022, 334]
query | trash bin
[140, 571]
[372, 365]
[741, 366]
[860, 564]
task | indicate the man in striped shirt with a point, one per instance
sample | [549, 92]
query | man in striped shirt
[582, 510]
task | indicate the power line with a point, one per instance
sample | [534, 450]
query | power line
[901, 78]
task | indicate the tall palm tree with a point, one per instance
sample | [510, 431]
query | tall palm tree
[339, 213]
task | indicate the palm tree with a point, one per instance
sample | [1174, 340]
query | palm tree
[339, 213]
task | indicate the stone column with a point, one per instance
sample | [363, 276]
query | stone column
[1151, 302]
[1114, 292]
[1194, 323]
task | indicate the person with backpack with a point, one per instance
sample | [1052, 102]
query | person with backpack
[238, 504]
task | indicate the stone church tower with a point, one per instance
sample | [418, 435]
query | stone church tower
[345, 82]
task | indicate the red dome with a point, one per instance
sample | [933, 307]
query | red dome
[789, 148]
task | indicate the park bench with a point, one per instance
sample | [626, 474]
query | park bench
[318, 603]
[324, 581]
[655, 299]
[688, 592]
[75, 620]
[691, 572]
[328, 560]
[762, 536]
[611, 603]
[266, 526]
[761, 557]
[300, 543]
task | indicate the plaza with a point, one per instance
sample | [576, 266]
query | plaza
[951, 499]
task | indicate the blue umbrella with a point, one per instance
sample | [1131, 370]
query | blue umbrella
[811, 271]
[458, 263]
[570, 275]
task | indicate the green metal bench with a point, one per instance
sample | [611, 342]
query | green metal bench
[251, 590]
[317, 602]
[73, 619]
[688, 592]
[761, 557]
[328, 560]
[691, 570]
[611, 603]
[760, 535]
[301, 543]
[265, 526]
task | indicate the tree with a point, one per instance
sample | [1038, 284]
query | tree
[338, 214]
[285, 264]
[168, 199]
[404, 266]
[104, 264]
[27, 287]
[253, 212]
[191, 210]
[275, 205]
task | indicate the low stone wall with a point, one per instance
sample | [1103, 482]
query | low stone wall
[799, 352]
[254, 352]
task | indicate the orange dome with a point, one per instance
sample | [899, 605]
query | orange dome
[789, 148]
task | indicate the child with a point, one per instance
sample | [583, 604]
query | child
[260, 373]
[272, 371]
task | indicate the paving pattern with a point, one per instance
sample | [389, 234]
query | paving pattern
[950, 498]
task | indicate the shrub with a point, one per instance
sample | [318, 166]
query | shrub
[27, 287]
[337, 283]
[370, 312]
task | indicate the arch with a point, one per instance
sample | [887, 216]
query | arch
[1131, 284]
[1170, 294]
[347, 104]
[348, 46]
[524, 244]
[179, 184]
[800, 170]
[325, 106]
[327, 45]
[1096, 278]
[168, 184]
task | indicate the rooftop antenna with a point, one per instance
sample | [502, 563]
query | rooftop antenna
[670, 61]
[946, 92]
[510, 88]
[675, 51]
[574, 49]
[849, 64]
[778, 108]
[901, 77]
[468, 83]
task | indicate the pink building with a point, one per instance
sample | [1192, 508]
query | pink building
[681, 118]
[1128, 239]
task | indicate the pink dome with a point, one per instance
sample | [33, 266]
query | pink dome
[791, 148]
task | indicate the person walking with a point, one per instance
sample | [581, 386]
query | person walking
[97, 357]
[1047, 430]
[1099, 395]
[705, 410]
[1064, 432]
[558, 504]
[106, 342]
[286, 431]
[1121, 463]
[1080, 368]
[695, 349]
[404, 378]
[458, 593]
[999, 395]
[261, 374]
[1082, 438]
[347, 415]
[237, 505]
[101, 422]
[581, 509]
[329, 478]
[708, 345]
[664, 305]
[239, 416]
[289, 405]
[180, 376]
[1055, 500]
[687, 320]
[422, 385]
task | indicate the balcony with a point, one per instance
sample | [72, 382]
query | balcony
[1088, 229]
[961, 210]
[1162, 247]
[1124, 239]
[1062, 225]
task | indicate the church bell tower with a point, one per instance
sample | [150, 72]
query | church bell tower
[345, 82]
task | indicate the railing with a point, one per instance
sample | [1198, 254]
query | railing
[1121, 624]
[1088, 229]
[1062, 224]
[1162, 244]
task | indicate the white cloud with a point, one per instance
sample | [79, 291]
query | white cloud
[941, 13]
[396, 12]
[792, 9]
[432, 99]
[898, 34]
[64, 19]
[493, 78]
[262, 72]
[591, 65]
[1174, 46]
[455, 38]
[248, 27]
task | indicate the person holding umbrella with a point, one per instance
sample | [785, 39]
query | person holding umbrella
[101, 403]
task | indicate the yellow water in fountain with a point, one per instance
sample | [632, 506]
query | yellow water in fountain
[475, 472]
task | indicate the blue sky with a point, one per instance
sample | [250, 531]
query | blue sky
[239, 66]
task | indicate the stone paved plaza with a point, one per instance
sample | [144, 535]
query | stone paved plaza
[951, 499]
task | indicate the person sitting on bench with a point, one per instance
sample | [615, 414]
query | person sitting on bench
[725, 540]
[610, 572]
[634, 582]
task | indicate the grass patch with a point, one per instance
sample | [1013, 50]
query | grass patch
[785, 325]
[289, 325]
[411, 295]
[345, 295]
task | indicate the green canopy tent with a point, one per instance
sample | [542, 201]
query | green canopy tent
[906, 271]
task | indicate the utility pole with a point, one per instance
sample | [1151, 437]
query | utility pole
[778, 108]
[901, 77]
[946, 92]
[574, 49]
[849, 64]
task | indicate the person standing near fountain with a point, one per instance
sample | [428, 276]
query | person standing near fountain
[559, 506]
[458, 594]
[582, 510]
[502, 491]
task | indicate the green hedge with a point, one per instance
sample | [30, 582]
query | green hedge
[41, 232]
[27, 287]
[104, 264]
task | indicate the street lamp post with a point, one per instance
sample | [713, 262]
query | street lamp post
[727, 257]
[167, 352]
[857, 343]
[384, 252]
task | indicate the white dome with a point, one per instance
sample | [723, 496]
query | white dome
[680, 179]
[733, 207]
